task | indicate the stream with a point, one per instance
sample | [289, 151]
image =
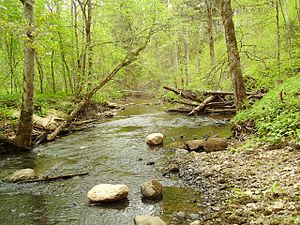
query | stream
[113, 151]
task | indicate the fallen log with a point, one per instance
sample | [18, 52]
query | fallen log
[202, 105]
[179, 110]
[220, 104]
[54, 178]
[220, 111]
[188, 94]
[224, 93]
[184, 103]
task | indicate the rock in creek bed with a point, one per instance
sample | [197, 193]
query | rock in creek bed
[108, 193]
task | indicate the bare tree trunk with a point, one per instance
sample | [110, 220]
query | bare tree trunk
[233, 55]
[187, 57]
[297, 5]
[278, 42]
[89, 39]
[210, 31]
[130, 57]
[41, 74]
[23, 135]
[11, 59]
[52, 72]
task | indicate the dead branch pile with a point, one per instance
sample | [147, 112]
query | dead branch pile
[208, 102]
[241, 131]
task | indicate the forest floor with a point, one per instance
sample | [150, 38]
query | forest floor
[245, 185]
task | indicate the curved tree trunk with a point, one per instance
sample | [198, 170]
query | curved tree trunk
[233, 55]
[25, 125]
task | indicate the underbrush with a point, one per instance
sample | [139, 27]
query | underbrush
[10, 104]
[277, 115]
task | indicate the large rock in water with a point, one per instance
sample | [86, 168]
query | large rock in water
[155, 139]
[152, 189]
[21, 175]
[108, 193]
[148, 220]
[210, 145]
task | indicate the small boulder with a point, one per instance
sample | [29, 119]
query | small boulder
[108, 193]
[152, 189]
[21, 175]
[215, 144]
[195, 145]
[155, 139]
[148, 220]
[209, 145]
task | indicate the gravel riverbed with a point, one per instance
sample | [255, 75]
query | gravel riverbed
[243, 186]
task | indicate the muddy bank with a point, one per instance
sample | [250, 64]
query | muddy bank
[244, 186]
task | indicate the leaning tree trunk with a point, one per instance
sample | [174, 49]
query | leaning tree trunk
[233, 55]
[130, 57]
[25, 125]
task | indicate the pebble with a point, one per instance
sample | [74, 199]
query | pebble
[181, 215]
[193, 216]
[150, 163]
[197, 222]
[278, 206]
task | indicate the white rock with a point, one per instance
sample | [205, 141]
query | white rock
[108, 193]
[21, 175]
[155, 139]
[148, 220]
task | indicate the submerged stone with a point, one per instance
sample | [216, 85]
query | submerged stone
[148, 220]
[21, 175]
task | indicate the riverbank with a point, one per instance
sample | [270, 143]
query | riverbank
[244, 185]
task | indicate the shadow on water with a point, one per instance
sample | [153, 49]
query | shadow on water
[122, 204]
[112, 152]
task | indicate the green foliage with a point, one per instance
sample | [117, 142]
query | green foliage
[277, 118]
[59, 101]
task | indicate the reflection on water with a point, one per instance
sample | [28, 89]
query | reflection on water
[112, 152]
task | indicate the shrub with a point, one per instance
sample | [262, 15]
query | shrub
[277, 115]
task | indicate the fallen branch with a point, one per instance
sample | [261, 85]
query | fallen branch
[54, 178]
[202, 105]
[184, 103]
[188, 94]
[223, 93]
[221, 111]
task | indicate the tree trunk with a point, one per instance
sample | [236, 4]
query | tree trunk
[41, 74]
[278, 42]
[210, 31]
[23, 135]
[130, 57]
[52, 71]
[89, 39]
[233, 55]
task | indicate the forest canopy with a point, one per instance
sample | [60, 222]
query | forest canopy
[80, 43]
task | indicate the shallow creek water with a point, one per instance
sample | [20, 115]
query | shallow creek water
[111, 152]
